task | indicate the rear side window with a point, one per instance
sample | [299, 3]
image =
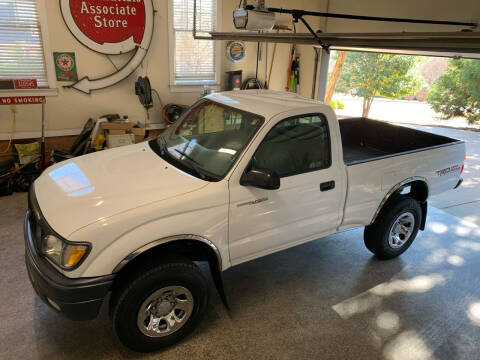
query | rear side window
[294, 146]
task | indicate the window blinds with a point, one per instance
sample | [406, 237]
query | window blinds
[194, 59]
[21, 48]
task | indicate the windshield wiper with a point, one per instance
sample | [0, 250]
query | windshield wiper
[163, 145]
[194, 164]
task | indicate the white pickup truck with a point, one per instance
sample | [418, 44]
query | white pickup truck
[241, 175]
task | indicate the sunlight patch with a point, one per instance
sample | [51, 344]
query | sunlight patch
[388, 321]
[417, 284]
[438, 228]
[456, 260]
[408, 345]
[474, 312]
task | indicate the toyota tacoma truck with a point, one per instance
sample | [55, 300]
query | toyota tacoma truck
[239, 176]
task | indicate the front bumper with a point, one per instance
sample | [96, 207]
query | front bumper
[77, 299]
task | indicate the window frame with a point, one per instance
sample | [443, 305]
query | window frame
[329, 139]
[52, 89]
[193, 86]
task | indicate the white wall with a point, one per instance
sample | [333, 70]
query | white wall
[70, 109]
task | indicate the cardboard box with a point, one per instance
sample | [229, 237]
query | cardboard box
[116, 132]
[139, 134]
[120, 140]
[115, 126]
[138, 131]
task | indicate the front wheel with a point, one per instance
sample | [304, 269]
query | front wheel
[160, 306]
[395, 228]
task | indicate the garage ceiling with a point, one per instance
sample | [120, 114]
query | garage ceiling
[452, 44]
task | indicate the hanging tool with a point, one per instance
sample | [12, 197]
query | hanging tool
[294, 75]
[143, 90]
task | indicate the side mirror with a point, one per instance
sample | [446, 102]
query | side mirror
[263, 179]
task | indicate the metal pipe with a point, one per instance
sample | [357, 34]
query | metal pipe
[322, 81]
[315, 70]
[320, 42]
[299, 13]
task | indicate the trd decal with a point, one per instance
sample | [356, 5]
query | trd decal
[253, 202]
[448, 170]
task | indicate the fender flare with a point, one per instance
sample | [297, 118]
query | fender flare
[395, 189]
[165, 240]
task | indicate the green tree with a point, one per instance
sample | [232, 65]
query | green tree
[372, 74]
[457, 92]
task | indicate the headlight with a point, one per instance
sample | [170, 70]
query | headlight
[63, 254]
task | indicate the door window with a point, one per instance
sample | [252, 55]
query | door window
[294, 146]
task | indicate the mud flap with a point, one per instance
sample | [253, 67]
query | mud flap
[218, 281]
[424, 206]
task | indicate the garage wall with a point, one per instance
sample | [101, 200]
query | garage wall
[282, 54]
[67, 112]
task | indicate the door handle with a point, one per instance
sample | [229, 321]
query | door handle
[329, 185]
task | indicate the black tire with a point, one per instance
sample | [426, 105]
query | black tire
[138, 285]
[376, 236]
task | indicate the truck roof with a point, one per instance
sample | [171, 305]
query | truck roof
[266, 103]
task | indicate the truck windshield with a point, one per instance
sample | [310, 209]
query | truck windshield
[208, 139]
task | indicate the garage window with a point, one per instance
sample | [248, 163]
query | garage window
[22, 42]
[193, 62]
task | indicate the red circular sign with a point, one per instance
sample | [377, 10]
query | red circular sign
[109, 21]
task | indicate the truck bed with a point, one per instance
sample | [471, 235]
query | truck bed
[367, 140]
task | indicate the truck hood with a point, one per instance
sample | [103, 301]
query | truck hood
[83, 190]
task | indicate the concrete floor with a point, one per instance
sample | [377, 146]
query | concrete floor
[329, 299]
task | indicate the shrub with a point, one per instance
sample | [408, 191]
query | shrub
[457, 92]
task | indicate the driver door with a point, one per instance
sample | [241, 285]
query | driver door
[307, 204]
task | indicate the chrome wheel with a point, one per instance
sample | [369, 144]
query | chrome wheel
[165, 311]
[401, 230]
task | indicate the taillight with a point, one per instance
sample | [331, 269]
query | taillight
[463, 165]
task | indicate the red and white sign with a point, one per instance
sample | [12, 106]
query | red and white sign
[110, 27]
[24, 84]
[21, 100]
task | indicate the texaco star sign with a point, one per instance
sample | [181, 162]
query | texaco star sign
[110, 27]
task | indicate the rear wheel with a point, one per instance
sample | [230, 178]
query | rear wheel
[394, 230]
[160, 306]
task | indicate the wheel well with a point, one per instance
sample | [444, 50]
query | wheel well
[418, 191]
[193, 250]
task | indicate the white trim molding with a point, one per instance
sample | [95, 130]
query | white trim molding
[49, 66]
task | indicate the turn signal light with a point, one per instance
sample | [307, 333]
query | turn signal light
[74, 255]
